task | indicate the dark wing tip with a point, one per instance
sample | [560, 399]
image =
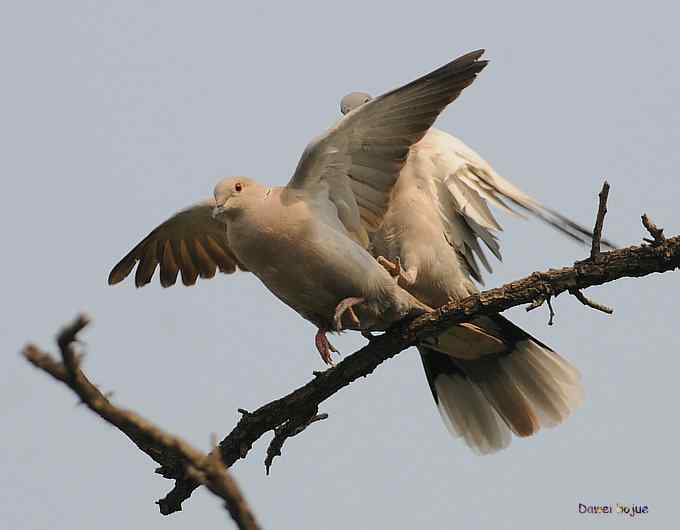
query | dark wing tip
[121, 270]
[472, 58]
[580, 230]
[165, 283]
[464, 66]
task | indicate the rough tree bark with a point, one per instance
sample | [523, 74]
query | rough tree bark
[292, 413]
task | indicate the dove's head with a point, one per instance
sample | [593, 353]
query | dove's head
[353, 100]
[233, 194]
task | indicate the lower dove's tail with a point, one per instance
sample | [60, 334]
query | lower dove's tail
[490, 378]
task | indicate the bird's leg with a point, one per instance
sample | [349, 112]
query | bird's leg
[324, 346]
[405, 279]
[347, 305]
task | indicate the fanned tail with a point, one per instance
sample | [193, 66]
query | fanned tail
[519, 385]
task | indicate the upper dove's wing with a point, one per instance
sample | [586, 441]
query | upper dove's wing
[360, 158]
[190, 242]
[466, 184]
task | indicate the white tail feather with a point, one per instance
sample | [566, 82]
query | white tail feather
[522, 391]
[468, 414]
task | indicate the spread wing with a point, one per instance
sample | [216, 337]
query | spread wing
[360, 158]
[466, 184]
[191, 242]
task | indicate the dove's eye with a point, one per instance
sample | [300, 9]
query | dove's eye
[238, 186]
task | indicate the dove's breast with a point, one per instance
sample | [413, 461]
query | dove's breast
[304, 257]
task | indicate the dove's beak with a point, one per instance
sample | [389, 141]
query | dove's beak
[218, 210]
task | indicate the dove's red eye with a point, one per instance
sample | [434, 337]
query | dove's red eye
[238, 186]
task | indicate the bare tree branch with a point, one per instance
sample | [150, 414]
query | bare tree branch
[290, 414]
[630, 262]
[198, 467]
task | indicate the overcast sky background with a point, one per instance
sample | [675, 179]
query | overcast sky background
[114, 115]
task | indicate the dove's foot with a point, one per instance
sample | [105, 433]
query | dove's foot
[326, 349]
[405, 279]
[347, 305]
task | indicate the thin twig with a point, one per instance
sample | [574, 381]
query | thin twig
[289, 429]
[544, 296]
[590, 303]
[655, 232]
[599, 221]
[552, 312]
[538, 302]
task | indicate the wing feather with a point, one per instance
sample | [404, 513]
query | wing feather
[359, 159]
[190, 243]
[187, 267]
[169, 267]
[466, 184]
[206, 266]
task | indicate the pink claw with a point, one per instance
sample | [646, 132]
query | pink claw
[324, 346]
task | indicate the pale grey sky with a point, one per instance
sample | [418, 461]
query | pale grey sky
[114, 115]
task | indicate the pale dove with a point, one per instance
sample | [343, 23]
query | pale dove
[487, 376]
[307, 241]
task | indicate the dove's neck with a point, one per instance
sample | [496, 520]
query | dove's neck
[265, 227]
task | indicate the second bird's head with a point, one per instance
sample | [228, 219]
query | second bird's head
[232, 194]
